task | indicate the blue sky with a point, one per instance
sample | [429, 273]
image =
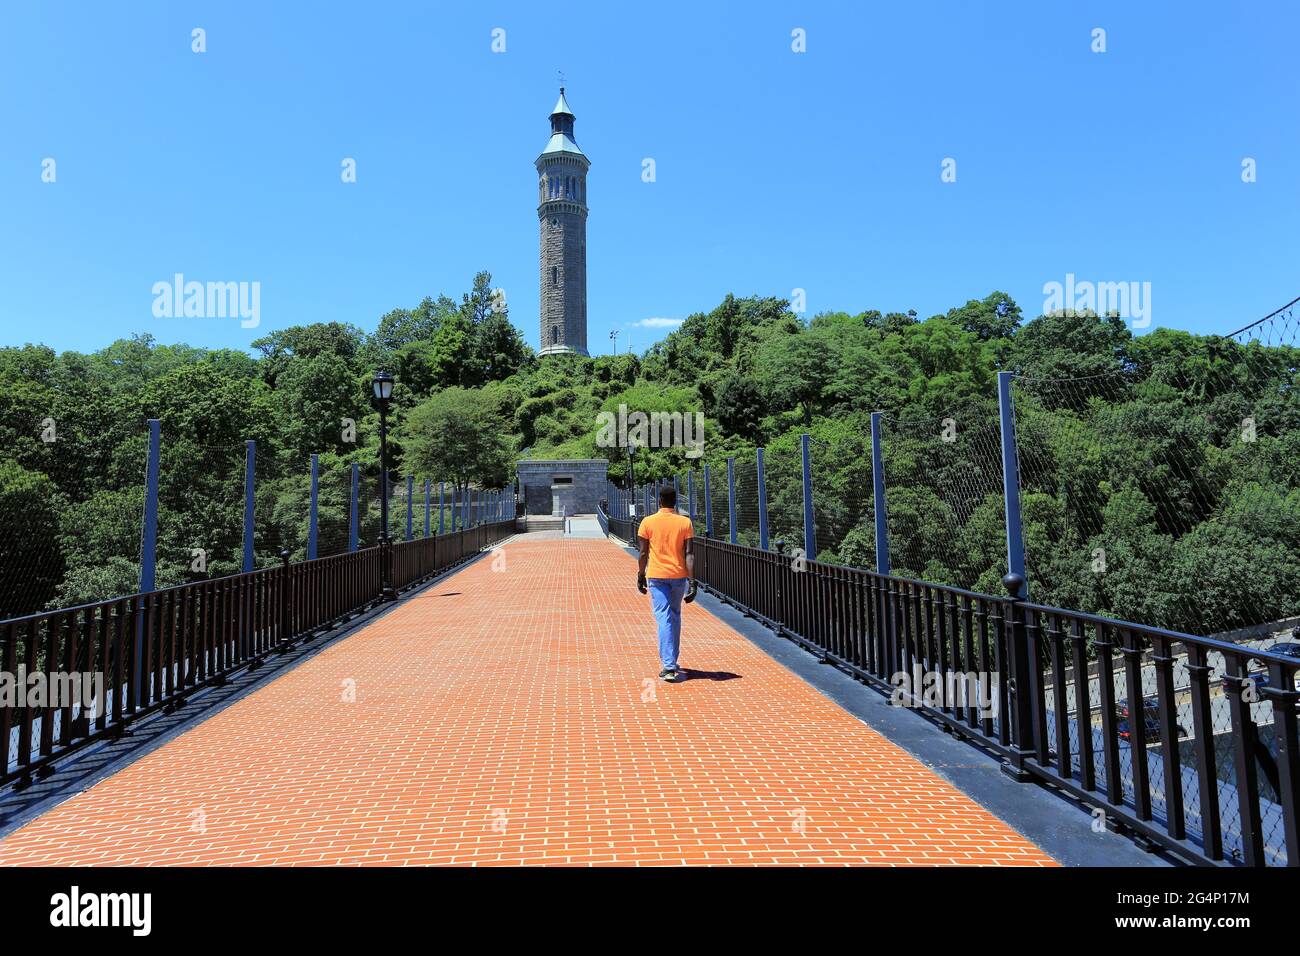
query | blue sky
[775, 170]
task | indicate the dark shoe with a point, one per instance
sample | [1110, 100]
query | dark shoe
[671, 676]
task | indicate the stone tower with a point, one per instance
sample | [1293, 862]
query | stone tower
[562, 212]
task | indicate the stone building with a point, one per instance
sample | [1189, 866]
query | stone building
[562, 213]
[556, 487]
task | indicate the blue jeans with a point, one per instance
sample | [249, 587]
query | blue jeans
[666, 600]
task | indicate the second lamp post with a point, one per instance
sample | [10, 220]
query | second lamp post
[383, 386]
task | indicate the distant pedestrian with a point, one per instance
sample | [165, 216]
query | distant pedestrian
[666, 571]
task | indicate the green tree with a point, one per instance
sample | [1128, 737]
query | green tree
[459, 434]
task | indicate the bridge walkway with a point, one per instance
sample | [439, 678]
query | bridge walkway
[510, 714]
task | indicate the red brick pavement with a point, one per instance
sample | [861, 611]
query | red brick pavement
[513, 716]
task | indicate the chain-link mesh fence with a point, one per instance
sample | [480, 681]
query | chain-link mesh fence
[71, 505]
[843, 515]
[745, 468]
[944, 499]
[783, 475]
[333, 507]
[201, 494]
[1164, 488]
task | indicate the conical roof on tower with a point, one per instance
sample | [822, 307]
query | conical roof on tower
[561, 105]
[561, 140]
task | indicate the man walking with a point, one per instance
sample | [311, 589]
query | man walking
[667, 572]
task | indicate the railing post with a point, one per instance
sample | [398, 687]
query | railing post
[1019, 685]
[1282, 677]
[353, 523]
[809, 531]
[708, 505]
[1011, 483]
[148, 558]
[878, 496]
[410, 504]
[762, 502]
[442, 487]
[284, 599]
[311, 508]
[427, 483]
[731, 500]
[250, 460]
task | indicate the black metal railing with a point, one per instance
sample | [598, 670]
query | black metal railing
[622, 528]
[1186, 742]
[152, 650]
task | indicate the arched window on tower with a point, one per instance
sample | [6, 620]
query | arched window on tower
[555, 335]
[555, 275]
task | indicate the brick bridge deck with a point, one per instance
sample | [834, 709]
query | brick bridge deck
[513, 716]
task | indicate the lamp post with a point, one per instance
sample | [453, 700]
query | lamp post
[383, 386]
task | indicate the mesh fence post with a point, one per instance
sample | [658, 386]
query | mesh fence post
[353, 524]
[442, 487]
[312, 508]
[762, 502]
[149, 533]
[1011, 484]
[250, 460]
[427, 511]
[731, 500]
[148, 556]
[690, 494]
[410, 502]
[708, 505]
[878, 496]
[809, 531]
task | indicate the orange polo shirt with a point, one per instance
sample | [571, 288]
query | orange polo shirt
[667, 532]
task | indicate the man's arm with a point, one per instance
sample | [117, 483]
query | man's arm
[642, 561]
[690, 570]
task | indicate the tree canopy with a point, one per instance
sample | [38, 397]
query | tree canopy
[1169, 460]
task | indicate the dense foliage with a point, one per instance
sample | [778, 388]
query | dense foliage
[1160, 472]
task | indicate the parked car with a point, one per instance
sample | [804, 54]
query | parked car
[1150, 720]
